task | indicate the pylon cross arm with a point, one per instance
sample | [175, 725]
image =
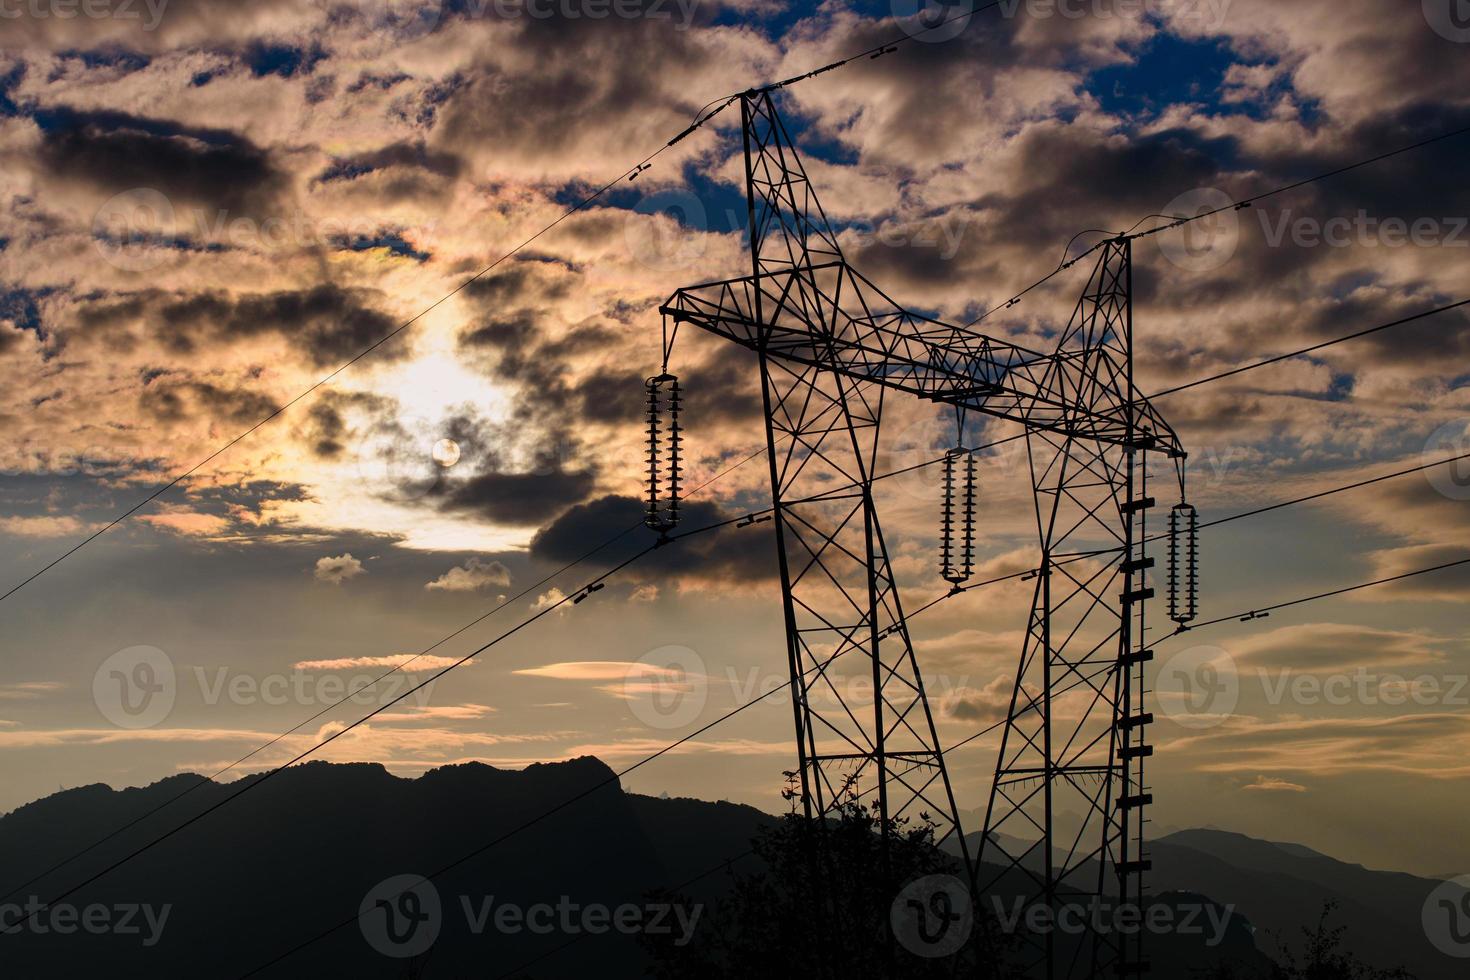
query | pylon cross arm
[828, 315]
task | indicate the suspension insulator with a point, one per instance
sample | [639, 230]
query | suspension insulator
[662, 512]
[957, 556]
[1183, 564]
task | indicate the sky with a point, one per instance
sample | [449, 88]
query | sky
[210, 206]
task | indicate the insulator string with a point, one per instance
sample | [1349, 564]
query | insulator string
[662, 513]
[1183, 564]
[957, 557]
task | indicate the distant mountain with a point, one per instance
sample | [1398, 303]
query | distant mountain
[301, 853]
[1282, 888]
[306, 850]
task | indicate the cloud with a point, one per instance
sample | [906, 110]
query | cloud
[475, 574]
[339, 569]
[718, 560]
[117, 152]
[188, 523]
[28, 690]
[448, 712]
[644, 593]
[1264, 784]
[546, 600]
[1335, 646]
[1433, 745]
[988, 704]
[600, 670]
[43, 526]
[408, 662]
[1446, 585]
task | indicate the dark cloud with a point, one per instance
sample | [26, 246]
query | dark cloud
[520, 498]
[285, 60]
[175, 401]
[402, 155]
[116, 151]
[324, 427]
[729, 555]
[328, 322]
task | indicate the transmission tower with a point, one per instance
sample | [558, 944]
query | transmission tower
[830, 345]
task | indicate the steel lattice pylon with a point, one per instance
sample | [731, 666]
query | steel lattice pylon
[830, 345]
[1073, 746]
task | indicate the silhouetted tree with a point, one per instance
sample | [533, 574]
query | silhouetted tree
[821, 907]
[1322, 958]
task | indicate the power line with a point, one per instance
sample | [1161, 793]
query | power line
[531, 822]
[701, 118]
[163, 488]
[1327, 493]
[1249, 201]
[1259, 612]
[1239, 205]
[397, 668]
[758, 699]
[1308, 350]
[576, 597]
[1032, 572]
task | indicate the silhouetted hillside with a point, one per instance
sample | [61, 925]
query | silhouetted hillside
[298, 855]
[1282, 887]
[308, 849]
